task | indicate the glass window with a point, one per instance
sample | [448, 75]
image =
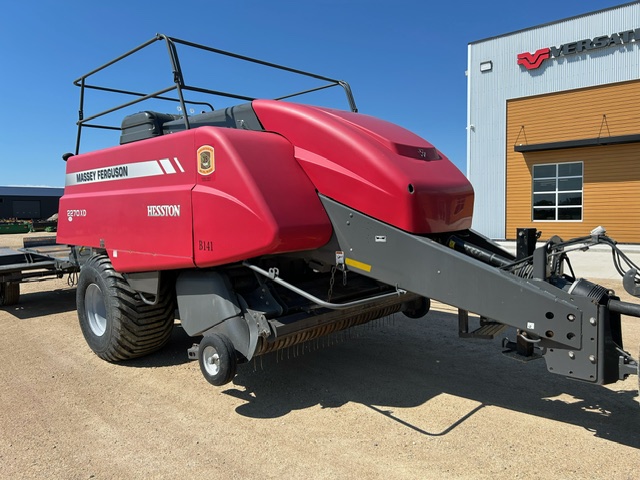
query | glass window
[570, 169]
[544, 199]
[545, 185]
[557, 192]
[544, 214]
[545, 171]
[565, 199]
[570, 214]
[572, 183]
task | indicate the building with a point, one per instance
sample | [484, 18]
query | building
[553, 138]
[29, 203]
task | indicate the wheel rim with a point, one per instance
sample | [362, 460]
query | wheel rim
[211, 360]
[96, 310]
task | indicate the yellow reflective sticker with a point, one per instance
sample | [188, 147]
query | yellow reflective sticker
[356, 264]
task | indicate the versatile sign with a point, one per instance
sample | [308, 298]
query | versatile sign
[532, 61]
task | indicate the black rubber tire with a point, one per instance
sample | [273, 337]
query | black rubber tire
[419, 309]
[9, 293]
[217, 359]
[116, 324]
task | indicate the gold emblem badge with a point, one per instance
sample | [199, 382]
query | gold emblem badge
[206, 160]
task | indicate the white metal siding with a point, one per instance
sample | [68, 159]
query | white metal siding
[488, 92]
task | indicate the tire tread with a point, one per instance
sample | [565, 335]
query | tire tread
[139, 328]
[9, 293]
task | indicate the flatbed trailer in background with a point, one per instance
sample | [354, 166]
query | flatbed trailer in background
[41, 258]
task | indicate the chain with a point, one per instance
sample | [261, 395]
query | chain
[331, 282]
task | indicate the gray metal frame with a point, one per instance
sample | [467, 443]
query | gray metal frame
[573, 331]
[180, 86]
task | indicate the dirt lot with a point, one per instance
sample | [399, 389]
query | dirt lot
[397, 399]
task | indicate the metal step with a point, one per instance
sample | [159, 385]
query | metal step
[487, 332]
[488, 329]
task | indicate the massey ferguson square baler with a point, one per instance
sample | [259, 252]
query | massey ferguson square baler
[267, 224]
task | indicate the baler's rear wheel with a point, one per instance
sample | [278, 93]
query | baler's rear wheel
[9, 293]
[116, 324]
[419, 308]
[217, 358]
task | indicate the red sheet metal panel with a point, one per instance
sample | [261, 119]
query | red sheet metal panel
[202, 197]
[252, 199]
[373, 166]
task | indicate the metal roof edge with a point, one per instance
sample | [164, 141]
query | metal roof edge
[23, 190]
[554, 22]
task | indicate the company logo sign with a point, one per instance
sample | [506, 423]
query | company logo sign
[163, 210]
[531, 61]
[102, 174]
[206, 160]
[125, 171]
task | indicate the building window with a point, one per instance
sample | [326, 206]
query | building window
[557, 192]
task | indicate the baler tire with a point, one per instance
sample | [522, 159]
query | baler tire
[116, 324]
[217, 359]
[421, 310]
[9, 293]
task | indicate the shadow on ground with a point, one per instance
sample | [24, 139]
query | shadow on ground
[40, 304]
[174, 353]
[393, 365]
[413, 362]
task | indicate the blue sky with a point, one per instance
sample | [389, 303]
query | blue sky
[405, 59]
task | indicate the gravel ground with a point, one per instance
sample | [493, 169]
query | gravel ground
[396, 399]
